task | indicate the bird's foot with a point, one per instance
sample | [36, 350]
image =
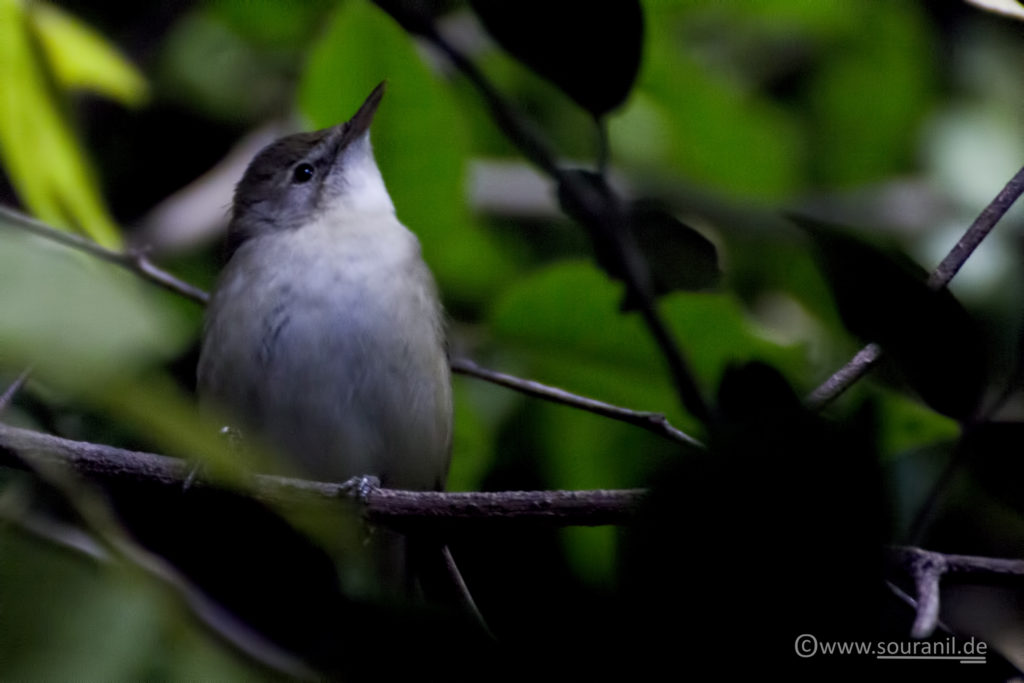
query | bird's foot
[360, 487]
[233, 436]
[234, 439]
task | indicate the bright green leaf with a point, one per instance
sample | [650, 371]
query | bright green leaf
[38, 149]
[82, 59]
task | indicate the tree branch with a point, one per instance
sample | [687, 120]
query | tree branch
[927, 569]
[656, 423]
[867, 357]
[133, 261]
[451, 513]
[439, 511]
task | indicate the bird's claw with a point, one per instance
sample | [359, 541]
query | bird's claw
[360, 487]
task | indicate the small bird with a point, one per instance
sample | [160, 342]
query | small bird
[324, 336]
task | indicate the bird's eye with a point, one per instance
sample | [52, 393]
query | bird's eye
[303, 173]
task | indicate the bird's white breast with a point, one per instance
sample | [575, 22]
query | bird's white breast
[337, 349]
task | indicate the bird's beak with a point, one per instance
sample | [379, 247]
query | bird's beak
[355, 127]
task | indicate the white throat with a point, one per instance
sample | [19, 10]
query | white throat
[363, 190]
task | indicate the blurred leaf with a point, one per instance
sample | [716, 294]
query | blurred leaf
[703, 126]
[590, 50]
[592, 553]
[82, 58]
[419, 142]
[39, 151]
[883, 297]
[473, 440]
[565, 317]
[905, 425]
[79, 322]
[680, 257]
[207, 65]
[675, 255]
[870, 93]
[274, 24]
[101, 623]
[66, 619]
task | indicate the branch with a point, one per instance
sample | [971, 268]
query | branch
[454, 512]
[867, 357]
[133, 261]
[927, 568]
[438, 511]
[656, 423]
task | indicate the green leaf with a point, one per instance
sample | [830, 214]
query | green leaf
[882, 297]
[674, 255]
[565, 318]
[703, 126]
[106, 622]
[41, 156]
[883, 73]
[211, 65]
[79, 322]
[905, 424]
[418, 138]
[82, 59]
[680, 257]
[590, 50]
[102, 622]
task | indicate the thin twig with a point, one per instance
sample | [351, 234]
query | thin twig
[134, 261]
[910, 601]
[12, 390]
[867, 357]
[858, 366]
[448, 511]
[656, 423]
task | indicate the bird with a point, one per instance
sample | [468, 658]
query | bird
[324, 337]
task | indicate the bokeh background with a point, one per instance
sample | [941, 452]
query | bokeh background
[131, 122]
